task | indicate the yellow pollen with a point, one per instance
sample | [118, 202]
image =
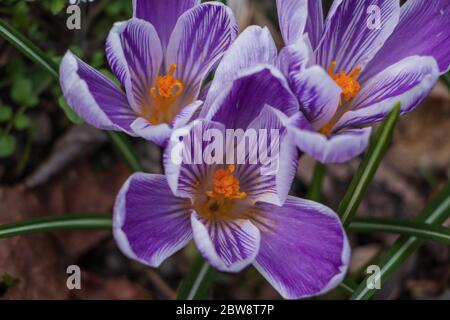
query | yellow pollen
[226, 186]
[348, 83]
[167, 86]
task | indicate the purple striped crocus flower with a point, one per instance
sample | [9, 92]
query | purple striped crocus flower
[161, 57]
[351, 69]
[236, 214]
[347, 72]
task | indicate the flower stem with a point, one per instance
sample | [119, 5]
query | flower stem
[315, 188]
[198, 281]
[367, 168]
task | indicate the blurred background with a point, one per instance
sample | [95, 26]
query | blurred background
[49, 166]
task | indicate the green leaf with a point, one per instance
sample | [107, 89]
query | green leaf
[7, 145]
[368, 167]
[68, 111]
[28, 48]
[34, 53]
[315, 188]
[5, 113]
[435, 213]
[56, 223]
[123, 147]
[57, 6]
[23, 93]
[408, 228]
[9, 280]
[197, 284]
[21, 122]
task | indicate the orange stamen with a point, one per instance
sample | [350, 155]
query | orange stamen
[167, 86]
[348, 83]
[350, 89]
[166, 90]
[226, 186]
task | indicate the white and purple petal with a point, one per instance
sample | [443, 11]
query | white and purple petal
[314, 23]
[317, 94]
[158, 134]
[350, 37]
[149, 223]
[304, 251]
[254, 46]
[256, 87]
[94, 97]
[340, 147]
[407, 82]
[271, 178]
[423, 29]
[199, 40]
[185, 166]
[162, 14]
[228, 245]
[135, 55]
[292, 15]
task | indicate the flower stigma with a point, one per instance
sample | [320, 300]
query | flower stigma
[166, 90]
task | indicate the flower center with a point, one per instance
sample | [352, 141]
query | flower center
[350, 89]
[348, 83]
[225, 201]
[226, 185]
[166, 90]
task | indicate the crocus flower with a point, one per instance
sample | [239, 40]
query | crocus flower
[349, 71]
[236, 215]
[161, 57]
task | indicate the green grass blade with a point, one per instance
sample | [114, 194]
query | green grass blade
[315, 188]
[407, 228]
[124, 148]
[197, 284]
[28, 48]
[367, 168]
[435, 213]
[57, 223]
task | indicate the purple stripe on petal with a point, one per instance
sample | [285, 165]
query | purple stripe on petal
[304, 251]
[423, 29]
[295, 57]
[198, 42]
[278, 160]
[349, 38]
[135, 55]
[292, 15]
[95, 98]
[162, 14]
[408, 82]
[314, 23]
[184, 162]
[254, 46]
[339, 148]
[186, 115]
[149, 223]
[227, 245]
[248, 94]
[317, 94]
